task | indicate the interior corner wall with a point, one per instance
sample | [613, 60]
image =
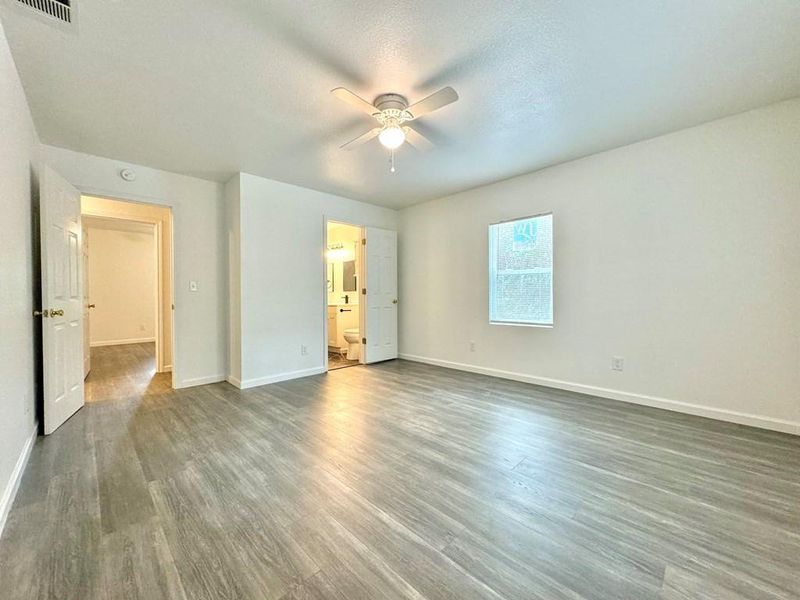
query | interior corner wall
[20, 333]
[282, 286]
[234, 237]
[680, 254]
[199, 252]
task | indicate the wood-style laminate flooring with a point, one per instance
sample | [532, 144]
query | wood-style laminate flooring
[336, 360]
[402, 480]
[125, 371]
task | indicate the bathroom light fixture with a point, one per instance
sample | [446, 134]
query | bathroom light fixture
[337, 252]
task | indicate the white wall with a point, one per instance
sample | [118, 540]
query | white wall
[20, 334]
[122, 286]
[680, 254]
[200, 251]
[282, 287]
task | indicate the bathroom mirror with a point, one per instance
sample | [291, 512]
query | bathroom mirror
[330, 277]
[349, 276]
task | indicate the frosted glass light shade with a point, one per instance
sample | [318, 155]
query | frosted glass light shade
[392, 137]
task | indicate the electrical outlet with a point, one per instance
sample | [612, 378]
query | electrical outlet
[303, 350]
[617, 363]
[472, 346]
[192, 286]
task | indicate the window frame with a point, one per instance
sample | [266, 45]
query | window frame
[490, 272]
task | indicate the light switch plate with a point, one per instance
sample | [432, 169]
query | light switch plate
[192, 286]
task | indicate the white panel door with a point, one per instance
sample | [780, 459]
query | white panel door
[380, 277]
[62, 299]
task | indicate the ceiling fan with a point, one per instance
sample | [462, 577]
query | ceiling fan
[393, 113]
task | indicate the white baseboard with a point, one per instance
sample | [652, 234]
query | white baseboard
[122, 342]
[198, 381]
[249, 383]
[12, 485]
[653, 401]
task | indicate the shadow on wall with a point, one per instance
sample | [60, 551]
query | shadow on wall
[36, 299]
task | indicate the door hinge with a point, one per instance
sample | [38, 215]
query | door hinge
[364, 291]
[363, 241]
[364, 341]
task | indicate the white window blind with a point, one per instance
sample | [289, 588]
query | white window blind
[521, 271]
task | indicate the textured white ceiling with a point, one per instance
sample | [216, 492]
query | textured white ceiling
[209, 88]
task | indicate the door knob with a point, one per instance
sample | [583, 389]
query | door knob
[41, 313]
[57, 313]
[394, 301]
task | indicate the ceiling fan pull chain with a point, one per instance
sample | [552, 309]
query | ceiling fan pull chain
[391, 161]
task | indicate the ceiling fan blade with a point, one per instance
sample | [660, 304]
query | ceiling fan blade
[433, 102]
[364, 137]
[357, 101]
[416, 139]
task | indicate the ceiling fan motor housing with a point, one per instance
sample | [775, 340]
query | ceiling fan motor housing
[392, 109]
[390, 101]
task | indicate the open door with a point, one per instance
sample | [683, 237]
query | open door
[380, 260]
[62, 297]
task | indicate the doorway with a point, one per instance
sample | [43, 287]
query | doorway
[343, 275]
[360, 294]
[127, 298]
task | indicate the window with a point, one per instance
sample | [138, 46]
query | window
[521, 271]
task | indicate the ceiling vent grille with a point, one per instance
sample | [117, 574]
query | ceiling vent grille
[56, 9]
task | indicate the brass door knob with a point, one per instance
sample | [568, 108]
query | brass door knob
[394, 301]
[41, 313]
[57, 313]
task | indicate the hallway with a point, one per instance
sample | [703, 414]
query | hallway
[125, 371]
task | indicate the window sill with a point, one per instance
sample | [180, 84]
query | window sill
[513, 324]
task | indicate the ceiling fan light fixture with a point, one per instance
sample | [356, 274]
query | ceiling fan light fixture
[392, 137]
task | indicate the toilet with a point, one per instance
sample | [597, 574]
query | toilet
[353, 343]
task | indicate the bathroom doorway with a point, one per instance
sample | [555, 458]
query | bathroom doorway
[343, 276]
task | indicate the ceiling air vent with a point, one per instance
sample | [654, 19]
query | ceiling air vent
[56, 9]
